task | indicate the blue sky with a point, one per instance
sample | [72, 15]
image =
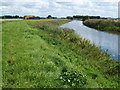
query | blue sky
[60, 8]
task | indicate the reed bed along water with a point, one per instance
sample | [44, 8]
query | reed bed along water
[111, 26]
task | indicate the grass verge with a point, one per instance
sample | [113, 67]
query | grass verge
[39, 54]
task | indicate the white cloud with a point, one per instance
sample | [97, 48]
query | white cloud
[24, 7]
[60, 7]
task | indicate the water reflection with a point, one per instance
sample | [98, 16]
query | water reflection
[106, 41]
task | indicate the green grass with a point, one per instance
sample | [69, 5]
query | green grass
[39, 54]
[111, 26]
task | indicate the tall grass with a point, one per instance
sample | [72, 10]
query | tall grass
[39, 54]
[111, 26]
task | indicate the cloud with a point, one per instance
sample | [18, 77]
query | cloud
[60, 7]
[24, 7]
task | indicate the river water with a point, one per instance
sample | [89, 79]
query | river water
[106, 41]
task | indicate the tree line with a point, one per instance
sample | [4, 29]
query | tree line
[83, 17]
[34, 17]
[51, 17]
[10, 17]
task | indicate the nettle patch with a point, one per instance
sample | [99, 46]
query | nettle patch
[73, 79]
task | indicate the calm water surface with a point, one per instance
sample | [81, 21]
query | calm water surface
[107, 42]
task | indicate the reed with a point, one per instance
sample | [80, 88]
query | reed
[111, 26]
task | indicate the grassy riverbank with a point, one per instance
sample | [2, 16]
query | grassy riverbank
[111, 26]
[39, 54]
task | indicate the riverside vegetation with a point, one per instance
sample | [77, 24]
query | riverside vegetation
[111, 26]
[39, 54]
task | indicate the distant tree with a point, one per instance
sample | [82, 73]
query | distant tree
[49, 17]
[16, 16]
[8, 16]
[85, 17]
[54, 17]
[94, 17]
[77, 17]
[69, 17]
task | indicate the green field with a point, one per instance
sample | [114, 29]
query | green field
[39, 54]
[111, 26]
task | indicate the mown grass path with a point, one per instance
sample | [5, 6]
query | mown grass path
[38, 54]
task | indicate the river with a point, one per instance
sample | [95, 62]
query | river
[106, 41]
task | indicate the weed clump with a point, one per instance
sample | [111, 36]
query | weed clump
[73, 79]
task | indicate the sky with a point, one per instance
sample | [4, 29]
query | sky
[60, 8]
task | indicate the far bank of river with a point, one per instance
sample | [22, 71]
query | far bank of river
[107, 42]
[106, 25]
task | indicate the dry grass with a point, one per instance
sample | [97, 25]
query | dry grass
[9, 19]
